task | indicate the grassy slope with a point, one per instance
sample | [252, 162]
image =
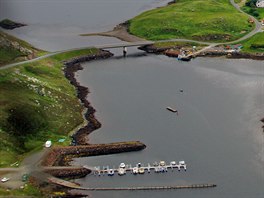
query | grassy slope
[41, 93]
[200, 19]
[9, 55]
[256, 40]
[176, 43]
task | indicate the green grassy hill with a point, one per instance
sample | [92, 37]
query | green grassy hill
[37, 103]
[206, 20]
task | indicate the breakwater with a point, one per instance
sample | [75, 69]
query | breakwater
[60, 156]
[194, 186]
[72, 66]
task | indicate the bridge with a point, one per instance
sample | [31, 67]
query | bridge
[126, 44]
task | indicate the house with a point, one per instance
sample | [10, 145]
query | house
[260, 4]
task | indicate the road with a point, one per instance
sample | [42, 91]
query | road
[257, 29]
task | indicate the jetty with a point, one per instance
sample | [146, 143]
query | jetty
[194, 186]
[123, 168]
[72, 185]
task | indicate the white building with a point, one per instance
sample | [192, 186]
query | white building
[260, 4]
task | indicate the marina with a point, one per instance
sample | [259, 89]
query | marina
[123, 168]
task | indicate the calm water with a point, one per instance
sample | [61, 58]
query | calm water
[217, 130]
[56, 24]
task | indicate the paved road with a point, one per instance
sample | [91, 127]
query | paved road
[257, 23]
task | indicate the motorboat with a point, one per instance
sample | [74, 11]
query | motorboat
[171, 109]
[121, 171]
[182, 163]
[162, 163]
[110, 172]
[135, 170]
[122, 165]
[141, 170]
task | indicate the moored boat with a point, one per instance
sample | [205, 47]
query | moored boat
[135, 170]
[141, 170]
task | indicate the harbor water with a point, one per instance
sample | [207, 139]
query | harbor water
[217, 130]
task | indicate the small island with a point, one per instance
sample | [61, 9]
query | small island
[10, 25]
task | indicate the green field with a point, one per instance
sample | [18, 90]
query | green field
[204, 20]
[37, 103]
[177, 44]
[254, 44]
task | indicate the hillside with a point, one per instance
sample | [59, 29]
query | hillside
[14, 50]
[204, 20]
[37, 103]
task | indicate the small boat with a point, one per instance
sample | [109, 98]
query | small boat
[162, 163]
[122, 165]
[182, 163]
[173, 163]
[171, 109]
[5, 179]
[121, 171]
[135, 170]
[184, 58]
[141, 170]
[110, 172]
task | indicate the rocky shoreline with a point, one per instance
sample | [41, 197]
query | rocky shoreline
[62, 156]
[72, 66]
[174, 52]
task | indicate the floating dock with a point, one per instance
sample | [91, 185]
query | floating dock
[123, 168]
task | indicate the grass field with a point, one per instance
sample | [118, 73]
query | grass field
[176, 44]
[254, 44]
[206, 20]
[37, 103]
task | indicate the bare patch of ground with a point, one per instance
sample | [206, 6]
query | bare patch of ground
[120, 32]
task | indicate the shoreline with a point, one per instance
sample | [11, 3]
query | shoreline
[121, 32]
[72, 66]
[171, 52]
[62, 156]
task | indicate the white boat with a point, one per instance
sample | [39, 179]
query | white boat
[5, 179]
[121, 171]
[173, 163]
[141, 170]
[135, 170]
[181, 163]
[171, 109]
[162, 163]
[122, 165]
[110, 172]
